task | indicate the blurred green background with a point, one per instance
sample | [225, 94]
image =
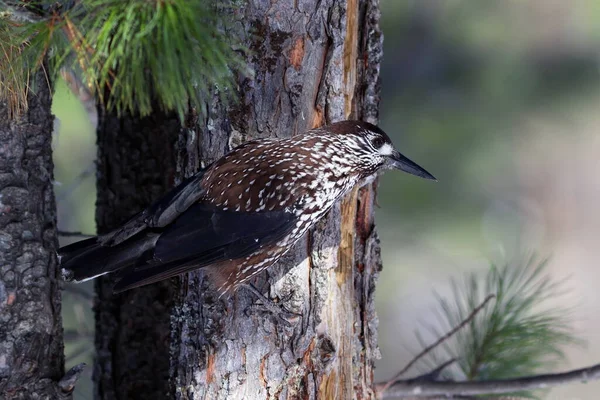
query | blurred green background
[500, 101]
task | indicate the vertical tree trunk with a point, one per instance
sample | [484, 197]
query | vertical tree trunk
[316, 62]
[31, 345]
[136, 164]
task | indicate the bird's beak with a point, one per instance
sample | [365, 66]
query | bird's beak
[398, 161]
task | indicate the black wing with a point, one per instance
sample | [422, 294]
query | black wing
[164, 211]
[203, 235]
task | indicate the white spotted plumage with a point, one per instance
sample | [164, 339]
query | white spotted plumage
[306, 173]
[243, 212]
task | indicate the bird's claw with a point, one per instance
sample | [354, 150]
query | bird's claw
[278, 309]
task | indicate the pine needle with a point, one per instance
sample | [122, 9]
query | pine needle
[136, 56]
[23, 47]
[519, 335]
[171, 53]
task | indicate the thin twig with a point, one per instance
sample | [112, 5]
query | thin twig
[468, 398]
[79, 292]
[72, 335]
[470, 388]
[433, 375]
[73, 234]
[69, 189]
[78, 352]
[441, 340]
[83, 93]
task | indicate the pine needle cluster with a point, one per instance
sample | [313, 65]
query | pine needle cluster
[521, 332]
[135, 56]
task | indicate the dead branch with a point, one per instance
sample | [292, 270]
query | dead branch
[450, 389]
[441, 340]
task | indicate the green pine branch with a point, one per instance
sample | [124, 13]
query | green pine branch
[23, 46]
[135, 55]
[517, 334]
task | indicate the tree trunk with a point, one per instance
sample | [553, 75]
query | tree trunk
[136, 165]
[31, 344]
[315, 62]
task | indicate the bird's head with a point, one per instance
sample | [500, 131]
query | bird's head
[373, 149]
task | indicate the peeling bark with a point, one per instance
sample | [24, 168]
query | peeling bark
[31, 345]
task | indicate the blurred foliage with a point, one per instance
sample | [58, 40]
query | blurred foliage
[518, 334]
[74, 151]
[460, 76]
[134, 55]
[462, 83]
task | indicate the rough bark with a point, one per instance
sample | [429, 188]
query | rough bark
[31, 345]
[315, 62]
[136, 164]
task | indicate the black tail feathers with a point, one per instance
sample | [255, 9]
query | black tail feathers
[88, 258]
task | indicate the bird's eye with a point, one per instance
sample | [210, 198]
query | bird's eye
[378, 142]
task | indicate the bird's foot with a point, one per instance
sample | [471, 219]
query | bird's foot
[278, 310]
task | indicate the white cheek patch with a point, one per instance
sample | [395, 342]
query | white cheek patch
[386, 150]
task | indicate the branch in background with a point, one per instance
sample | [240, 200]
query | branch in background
[409, 389]
[441, 340]
[430, 376]
[73, 234]
[83, 93]
[518, 336]
[73, 335]
[71, 187]
[82, 350]
[75, 290]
